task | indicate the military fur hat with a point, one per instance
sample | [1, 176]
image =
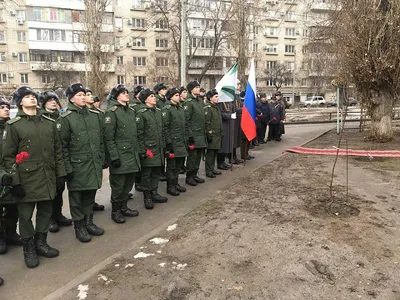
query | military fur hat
[145, 94]
[137, 90]
[88, 90]
[211, 94]
[159, 86]
[191, 85]
[278, 93]
[46, 96]
[74, 89]
[4, 101]
[182, 89]
[172, 92]
[118, 89]
[21, 93]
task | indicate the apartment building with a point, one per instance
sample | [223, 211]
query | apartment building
[41, 43]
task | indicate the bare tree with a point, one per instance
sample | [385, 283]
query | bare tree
[278, 74]
[366, 35]
[57, 75]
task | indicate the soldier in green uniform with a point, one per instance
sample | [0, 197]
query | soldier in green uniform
[194, 113]
[160, 91]
[34, 179]
[8, 207]
[136, 104]
[174, 128]
[122, 147]
[90, 104]
[182, 94]
[214, 131]
[50, 104]
[151, 147]
[83, 153]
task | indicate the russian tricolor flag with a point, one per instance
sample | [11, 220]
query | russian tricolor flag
[249, 113]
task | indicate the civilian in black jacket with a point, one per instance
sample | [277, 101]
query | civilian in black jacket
[263, 106]
[275, 120]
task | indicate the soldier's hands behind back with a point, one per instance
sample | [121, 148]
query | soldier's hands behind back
[60, 182]
[18, 191]
[116, 163]
[70, 176]
[191, 140]
[7, 180]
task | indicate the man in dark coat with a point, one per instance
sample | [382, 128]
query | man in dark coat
[214, 132]
[282, 103]
[81, 134]
[175, 133]
[263, 106]
[151, 147]
[36, 177]
[237, 106]
[50, 104]
[8, 207]
[228, 118]
[160, 91]
[123, 152]
[195, 121]
[275, 120]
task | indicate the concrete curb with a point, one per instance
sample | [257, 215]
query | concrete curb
[72, 284]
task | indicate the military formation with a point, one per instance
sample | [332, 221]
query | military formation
[153, 136]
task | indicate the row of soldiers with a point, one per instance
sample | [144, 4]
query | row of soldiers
[137, 140]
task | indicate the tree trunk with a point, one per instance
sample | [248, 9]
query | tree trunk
[381, 120]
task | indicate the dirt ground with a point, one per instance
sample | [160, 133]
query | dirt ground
[277, 235]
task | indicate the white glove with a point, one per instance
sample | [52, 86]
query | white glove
[233, 116]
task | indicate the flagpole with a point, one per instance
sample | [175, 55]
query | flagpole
[232, 140]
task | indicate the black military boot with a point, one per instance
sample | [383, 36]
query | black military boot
[138, 187]
[98, 207]
[157, 198]
[190, 181]
[81, 232]
[148, 202]
[13, 238]
[3, 244]
[116, 214]
[226, 166]
[63, 221]
[180, 188]
[210, 175]
[42, 248]
[91, 228]
[53, 226]
[198, 179]
[30, 255]
[126, 211]
[215, 172]
[171, 188]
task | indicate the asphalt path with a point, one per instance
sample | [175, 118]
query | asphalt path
[78, 261]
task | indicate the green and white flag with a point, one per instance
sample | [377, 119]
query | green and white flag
[226, 87]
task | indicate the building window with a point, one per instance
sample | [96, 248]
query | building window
[289, 49]
[138, 4]
[161, 43]
[306, 33]
[290, 31]
[289, 82]
[271, 48]
[46, 14]
[161, 4]
[290, 65]
[138, 23]
[139, 80]
[2, 36]
[161, 24]
[21, 36]
[139, 61]
[20, 14]
[304, 82]
[161, 62]
[24, 78]
[3, 78]
[45, 78]
[271, 31]
[120, 79]
[202, 43]
[139, 42]
[270, 82]
[2, 57]
[50, 35]
[23, 57]
[162, 79]
[120, 60]
[270, 64]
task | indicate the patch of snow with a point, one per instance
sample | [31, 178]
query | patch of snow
[162, 265]
[159, 251]
[172, 227]
[142, 247]
[104, 278]
[159, 241]
[174, 263]
[143, 255]
[117, 265]
[181, 267]
[128, 266]
[83, 289]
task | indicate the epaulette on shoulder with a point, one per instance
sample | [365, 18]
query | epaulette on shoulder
[188, 99]
[114, 108]
[100, 110]
[12, 121]
[158, 109]
[131, 108]
[168, 106]
[142, 110]
[94, 111]
[48, 118]
[64, 114]
[207, 106]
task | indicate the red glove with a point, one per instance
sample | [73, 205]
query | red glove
[149, 153]
[191, 147]
[274, 118]
[171, 155]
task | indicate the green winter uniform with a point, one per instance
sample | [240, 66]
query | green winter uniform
[175, 134]
[136, 105]
[149, 131]
[83, 153]
[121, 144]
[37, 175]
[194, 113]
[214, 134]
[161, 101]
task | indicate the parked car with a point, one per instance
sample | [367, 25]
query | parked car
[352, 101]
[315, 101]
[331, 103]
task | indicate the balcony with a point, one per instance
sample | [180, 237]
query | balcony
[321, 6]
[66, 67]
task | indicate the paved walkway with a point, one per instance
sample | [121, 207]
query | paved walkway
[79, 261]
